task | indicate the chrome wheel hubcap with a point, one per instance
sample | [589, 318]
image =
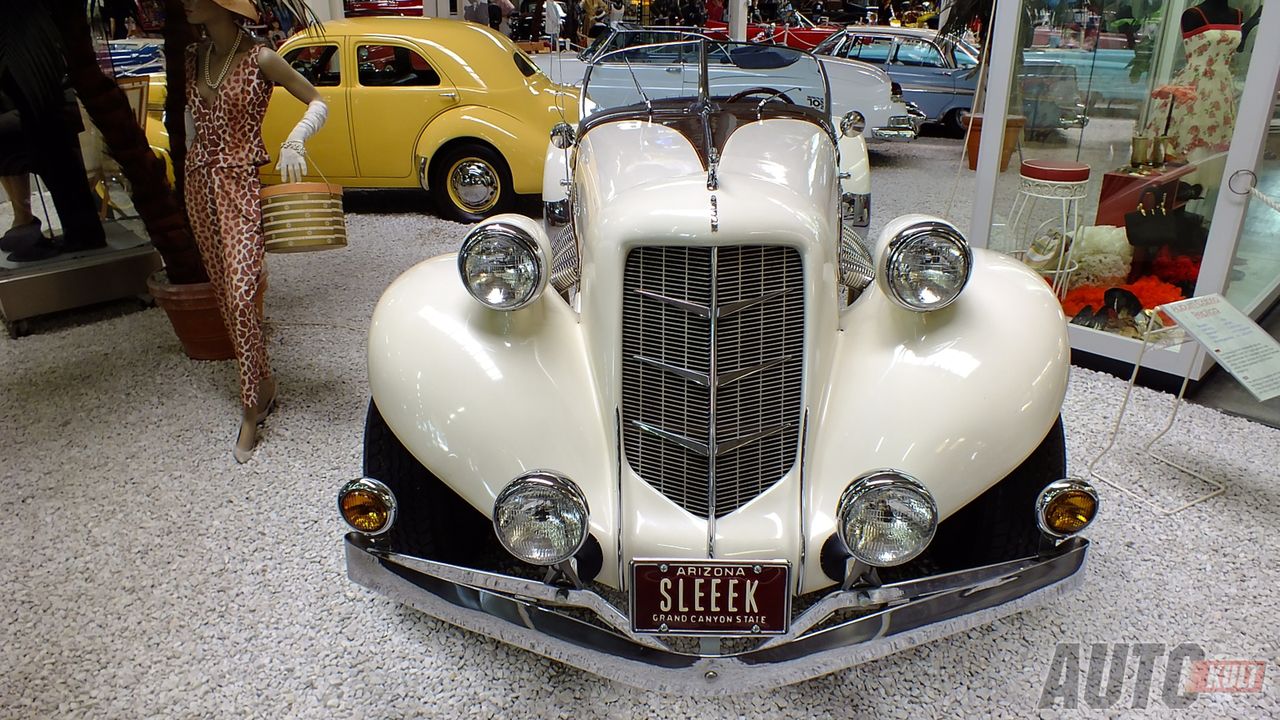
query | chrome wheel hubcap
[474, 184]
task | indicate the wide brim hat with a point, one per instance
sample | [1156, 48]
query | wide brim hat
[241, 7]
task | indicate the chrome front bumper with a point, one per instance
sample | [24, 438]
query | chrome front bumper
[534, 616]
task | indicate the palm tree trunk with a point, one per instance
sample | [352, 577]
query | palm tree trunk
[107, 105]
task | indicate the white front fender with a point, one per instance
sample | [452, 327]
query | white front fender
[480, 396]
[957, 398]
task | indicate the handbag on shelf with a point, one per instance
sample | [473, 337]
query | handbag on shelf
[1154, 225]
[1150, 226]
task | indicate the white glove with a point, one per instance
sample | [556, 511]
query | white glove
[189, 122]
[292, 164]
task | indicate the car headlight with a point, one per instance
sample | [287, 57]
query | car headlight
[1066, 507]
[502, 265]
[886, 518]
[926, 265]
[367, 505]
[541, 518]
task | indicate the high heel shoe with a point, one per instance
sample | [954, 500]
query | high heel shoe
[252, 417]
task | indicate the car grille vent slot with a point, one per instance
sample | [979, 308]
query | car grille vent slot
[712, 362]
[564, 260]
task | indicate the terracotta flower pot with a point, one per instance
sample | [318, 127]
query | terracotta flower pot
[1012, 133]
[193, 311]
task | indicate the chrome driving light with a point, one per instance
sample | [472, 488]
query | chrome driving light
[367, 505]
[886, 518]
[1066, 507]
[926, 265]
[852, 124]
[541, 517]
[562, 135]
[502, 265]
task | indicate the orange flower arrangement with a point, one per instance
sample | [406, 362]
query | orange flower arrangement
[1181, 94]
[1151, 291]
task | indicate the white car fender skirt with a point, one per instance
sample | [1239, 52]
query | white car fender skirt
[480, 396]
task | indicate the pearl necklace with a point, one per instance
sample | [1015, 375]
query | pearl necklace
[226, 64]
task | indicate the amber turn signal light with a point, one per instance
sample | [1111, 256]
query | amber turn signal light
[367, 505]
[1066, 507]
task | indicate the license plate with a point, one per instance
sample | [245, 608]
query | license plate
[710, 597]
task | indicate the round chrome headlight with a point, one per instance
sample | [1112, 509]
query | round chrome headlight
[367, 505]
[852, 124]
[502, 266]
[886, 518]
[1066, 507]
[541, 518]
[926, 266]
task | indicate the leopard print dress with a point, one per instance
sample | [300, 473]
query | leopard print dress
[223, 204]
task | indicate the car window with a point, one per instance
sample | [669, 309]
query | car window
[319, 64]
[962, 57]
[833, 45]
[524, 64]
[871, 49]
[596, 47]
[642, 37]
[918, 53]
[656, 54]
[392, 65]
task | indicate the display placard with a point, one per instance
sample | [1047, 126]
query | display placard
[1236, 342]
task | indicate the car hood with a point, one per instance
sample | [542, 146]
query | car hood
[624, 156]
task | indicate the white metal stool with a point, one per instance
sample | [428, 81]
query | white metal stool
[1065, 182]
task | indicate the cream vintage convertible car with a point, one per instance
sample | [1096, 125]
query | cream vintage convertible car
[690, 432]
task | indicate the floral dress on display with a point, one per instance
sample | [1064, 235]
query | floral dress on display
[1198, 107]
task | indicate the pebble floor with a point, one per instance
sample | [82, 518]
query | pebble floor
[147, 575]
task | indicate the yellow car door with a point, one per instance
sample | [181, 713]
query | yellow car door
[394, 94]
[320, 60]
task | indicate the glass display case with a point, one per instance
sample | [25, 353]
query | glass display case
[1145, 198]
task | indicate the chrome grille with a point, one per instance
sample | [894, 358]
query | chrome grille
[712, 350]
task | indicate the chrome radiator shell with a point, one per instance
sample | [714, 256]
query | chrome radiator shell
[712, 369]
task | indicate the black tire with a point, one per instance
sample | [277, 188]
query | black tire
[432, 521]
[485, 161]
[953, 122]
[1000, 524]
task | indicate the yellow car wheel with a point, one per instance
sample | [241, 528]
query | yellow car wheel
[472, 182]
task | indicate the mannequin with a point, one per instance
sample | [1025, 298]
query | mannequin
[1210, 12]
[229, 83]
[1203, 125]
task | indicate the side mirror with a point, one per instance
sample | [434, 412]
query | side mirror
[852, 124]
[563, 136]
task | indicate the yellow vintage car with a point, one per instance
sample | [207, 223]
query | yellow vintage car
[449, 106]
